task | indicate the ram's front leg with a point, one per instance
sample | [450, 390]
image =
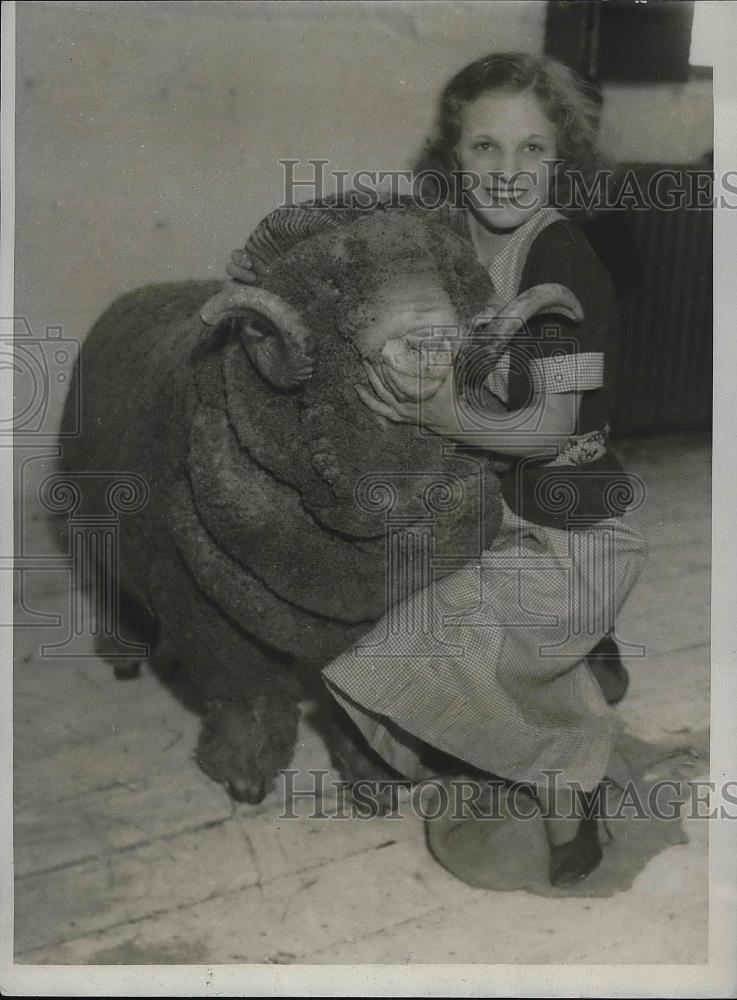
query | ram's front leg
[245, 743]
[135, 626]
[249, 696]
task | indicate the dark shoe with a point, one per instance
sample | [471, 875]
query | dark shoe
[573, 860]
[609, 671]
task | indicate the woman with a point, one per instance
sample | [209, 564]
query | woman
[517, 698]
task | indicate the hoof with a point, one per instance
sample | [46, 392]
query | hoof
[376, 798]
[353, 758]
[243, 745]
[127, 671]
[251, 790]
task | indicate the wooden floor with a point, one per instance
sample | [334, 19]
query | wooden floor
[126, 853]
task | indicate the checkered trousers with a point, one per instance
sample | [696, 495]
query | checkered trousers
[488, 663]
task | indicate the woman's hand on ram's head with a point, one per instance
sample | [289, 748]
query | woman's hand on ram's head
[241, 268]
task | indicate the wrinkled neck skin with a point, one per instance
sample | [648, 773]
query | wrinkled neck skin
[392, 325]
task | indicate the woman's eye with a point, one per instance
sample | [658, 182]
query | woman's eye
[534, 147]
[483, 146]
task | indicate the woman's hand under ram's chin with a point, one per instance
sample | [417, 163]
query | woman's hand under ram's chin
[413, 367]
[434, 406]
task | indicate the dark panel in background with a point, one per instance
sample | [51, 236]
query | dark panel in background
[662, 343]
[644, 42]
[570, 35]
[620, 40]
[660, 260]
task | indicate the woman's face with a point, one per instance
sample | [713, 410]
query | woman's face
[507, 141]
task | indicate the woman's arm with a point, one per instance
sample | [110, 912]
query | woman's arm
[537, 429]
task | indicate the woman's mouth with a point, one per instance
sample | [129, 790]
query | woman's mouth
[506, 196]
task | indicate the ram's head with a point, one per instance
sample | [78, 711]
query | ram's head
[396, 287]
[393, 278]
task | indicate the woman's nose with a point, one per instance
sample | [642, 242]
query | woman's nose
[501, 166]
[507, 165]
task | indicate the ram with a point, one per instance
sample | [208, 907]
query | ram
[280, 506]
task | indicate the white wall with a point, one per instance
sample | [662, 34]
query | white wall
[658, 123]
[149, 134]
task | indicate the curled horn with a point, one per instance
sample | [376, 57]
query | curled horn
[282, 353]
[492, 330]
[273, 333]
[284, 228]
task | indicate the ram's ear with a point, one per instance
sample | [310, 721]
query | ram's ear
[492, 330]
[273, 333]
